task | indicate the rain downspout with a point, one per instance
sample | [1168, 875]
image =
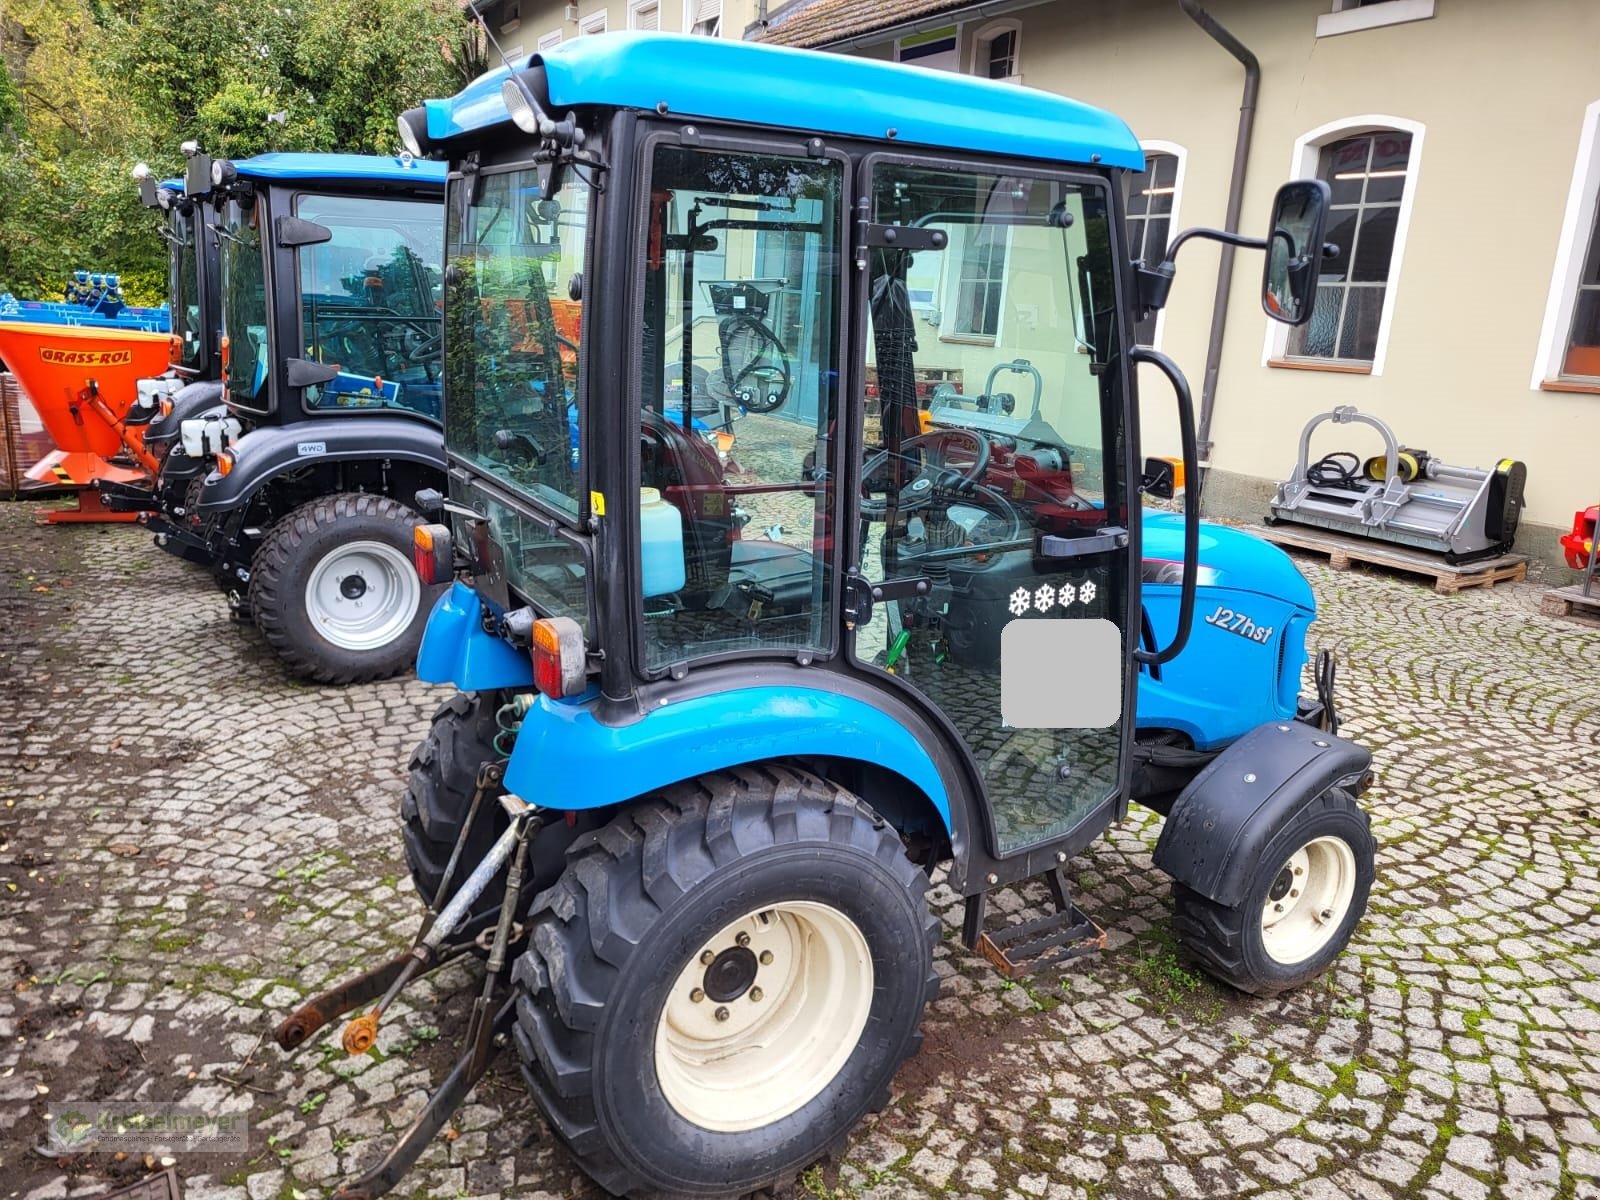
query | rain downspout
[1241, 156]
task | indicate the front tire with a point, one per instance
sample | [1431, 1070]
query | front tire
[723, 982]
[333, 590]
[1306, 896]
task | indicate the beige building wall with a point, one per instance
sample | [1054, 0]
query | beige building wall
[1499, 92]
[537, 22]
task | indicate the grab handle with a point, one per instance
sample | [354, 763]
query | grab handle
[1191, 505]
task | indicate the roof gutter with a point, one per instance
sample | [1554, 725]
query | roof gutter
[1241, 157]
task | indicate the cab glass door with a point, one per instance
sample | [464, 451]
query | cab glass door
[992, 486]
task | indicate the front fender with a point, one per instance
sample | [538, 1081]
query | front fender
[456, 648]
[265, 452]
[565, 759]
[1223, 821]
[200, 399]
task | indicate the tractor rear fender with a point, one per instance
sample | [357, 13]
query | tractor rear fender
[264, 454]
[457, 649]
[566, 758]
[1230, 812]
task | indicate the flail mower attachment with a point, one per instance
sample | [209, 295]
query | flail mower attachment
[492, 1012]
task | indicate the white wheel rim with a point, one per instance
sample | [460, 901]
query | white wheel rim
[1309, 899]
[784, 1036]
[363, 595]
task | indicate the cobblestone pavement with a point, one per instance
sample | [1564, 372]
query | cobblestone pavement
[189, 842]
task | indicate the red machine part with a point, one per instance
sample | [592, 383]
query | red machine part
[1578, 542]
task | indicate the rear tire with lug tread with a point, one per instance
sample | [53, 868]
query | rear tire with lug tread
[827, 929]
[443, 778]
[333, 590]
[1308, 893]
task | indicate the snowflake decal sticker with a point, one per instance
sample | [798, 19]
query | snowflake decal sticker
[1019, 602]
[1068, 595]
[1087, 591]
[1045, 597]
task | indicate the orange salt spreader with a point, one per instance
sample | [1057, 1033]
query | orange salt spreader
[82, 381]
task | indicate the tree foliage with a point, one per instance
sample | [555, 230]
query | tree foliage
[89, 87]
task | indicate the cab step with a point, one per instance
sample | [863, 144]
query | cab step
[1033, 945]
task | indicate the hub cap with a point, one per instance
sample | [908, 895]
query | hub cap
[1308, 900]
[764, 1016]
[363, 595]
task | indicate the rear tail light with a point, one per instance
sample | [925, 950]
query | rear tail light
[226, 346]
[225, 462]
[431, 554]
[560, 665]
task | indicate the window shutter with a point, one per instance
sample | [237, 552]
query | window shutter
[647, 18]
[707, 10]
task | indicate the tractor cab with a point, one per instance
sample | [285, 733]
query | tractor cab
[331, 284]
[795, 552]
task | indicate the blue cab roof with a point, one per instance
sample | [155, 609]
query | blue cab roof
[355, 168]
[802, 90]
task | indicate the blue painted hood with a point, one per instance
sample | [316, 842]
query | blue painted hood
[804, 90]
[1229, 558]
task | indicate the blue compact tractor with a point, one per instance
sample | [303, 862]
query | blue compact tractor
[795, 552]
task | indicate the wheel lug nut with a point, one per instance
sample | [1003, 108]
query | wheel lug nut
[756, 993]
[1299, 870]
[697, 995]
[722, 1014]
[766, 958]
[1294, 892]
[743, 939]
[1277, 908]
[707, 958]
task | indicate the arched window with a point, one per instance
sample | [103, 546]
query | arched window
[1152, 208]
[1569, 342]
[996, 51]
[1370, 165]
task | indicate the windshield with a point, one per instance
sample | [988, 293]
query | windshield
[244, 307]
[370, 297]
[184, 285]
[512, 331]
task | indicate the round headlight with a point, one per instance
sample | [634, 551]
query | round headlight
[222, 171]
[411, 125]
[141, 171]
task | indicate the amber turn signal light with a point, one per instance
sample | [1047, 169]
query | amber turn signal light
[431, 554]
[560, 663]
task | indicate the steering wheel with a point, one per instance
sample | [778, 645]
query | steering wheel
[933, 476]
[426, 347]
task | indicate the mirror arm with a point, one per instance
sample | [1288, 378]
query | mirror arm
[1156, 282]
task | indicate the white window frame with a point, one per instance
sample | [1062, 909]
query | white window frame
[638, 6]
[1303, 165]
[689, 9]
[979, 56]
[1347, 17]
[950, 289]
[1576, 225]
[1156, 146]
[595, 22]
[551, 39]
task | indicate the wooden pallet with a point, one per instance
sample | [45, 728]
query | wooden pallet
[1343, 552]
[1570, 602]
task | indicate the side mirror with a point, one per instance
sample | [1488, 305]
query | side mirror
[292, 231]
[1295, 251]
[1159, 479]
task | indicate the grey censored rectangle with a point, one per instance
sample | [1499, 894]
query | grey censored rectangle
[1060, 674]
